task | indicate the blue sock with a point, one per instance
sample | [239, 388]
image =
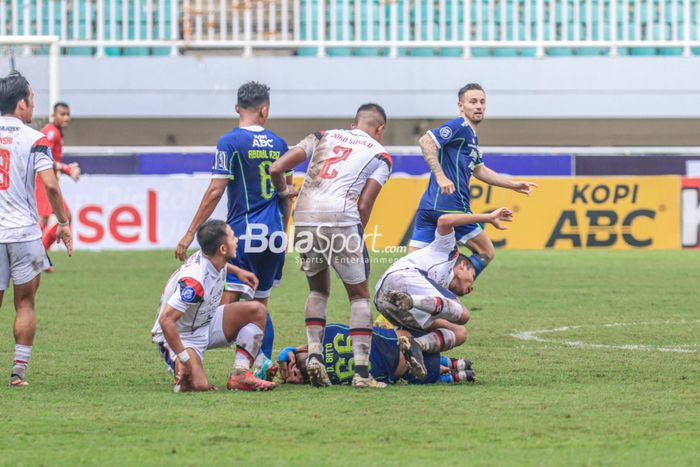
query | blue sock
[268, 338]
[445, 361]
[479, 265]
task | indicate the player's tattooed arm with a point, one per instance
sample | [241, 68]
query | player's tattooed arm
[487, 175]
[430, 151]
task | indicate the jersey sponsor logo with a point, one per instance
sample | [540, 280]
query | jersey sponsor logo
[262, 141]
[191, 291]
[445, 132]
[51, 135]
[6, 139]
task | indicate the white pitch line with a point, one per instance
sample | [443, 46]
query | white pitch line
[534, 336]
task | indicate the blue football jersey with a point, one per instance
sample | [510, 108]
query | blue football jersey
[459, 155]
[244, 156]
[339, 361]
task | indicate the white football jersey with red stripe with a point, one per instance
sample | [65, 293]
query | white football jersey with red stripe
[195, 289]
[341, 162]
[23, 152]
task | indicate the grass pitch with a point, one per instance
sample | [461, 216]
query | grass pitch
[577, 393]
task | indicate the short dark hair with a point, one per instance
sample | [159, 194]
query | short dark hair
[464, 259]
[211, 235]
[371, 107]
[13, 88]
[469, 87]
[60, 104]
[252, 95]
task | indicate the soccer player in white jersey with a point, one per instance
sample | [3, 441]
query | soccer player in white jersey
[419, 291]
[24, 152]
[347, 169]
[190, 319]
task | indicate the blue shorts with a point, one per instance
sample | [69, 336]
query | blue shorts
[384, 355]
[266, 265]
[426, 223]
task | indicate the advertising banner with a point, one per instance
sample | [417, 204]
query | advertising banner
[563, 213]
[690, 212]
[141, 212]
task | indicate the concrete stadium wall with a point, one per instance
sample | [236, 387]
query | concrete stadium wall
[522, 88]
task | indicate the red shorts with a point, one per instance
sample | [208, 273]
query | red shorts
[43, 206]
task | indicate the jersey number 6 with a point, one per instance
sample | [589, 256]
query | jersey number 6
[343, 153]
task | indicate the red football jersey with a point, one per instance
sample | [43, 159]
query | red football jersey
[53, 134]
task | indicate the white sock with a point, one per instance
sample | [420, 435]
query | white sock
[315, 314]
[361, 332]
[436, 341]
[22, 355]
[440, 307]
[248, 342]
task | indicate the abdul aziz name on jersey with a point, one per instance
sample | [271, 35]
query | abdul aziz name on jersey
[263, 154]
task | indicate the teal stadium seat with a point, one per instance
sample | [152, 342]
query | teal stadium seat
[308, 31]
[81, 33]
[340, 19]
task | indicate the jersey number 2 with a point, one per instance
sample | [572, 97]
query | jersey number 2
[4, 169]
[343, 153]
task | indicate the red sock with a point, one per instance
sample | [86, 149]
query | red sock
[49, 236]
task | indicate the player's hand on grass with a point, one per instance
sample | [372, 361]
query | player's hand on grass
[63, 234]
[525, 187]
[500, 215]
[184, 370]
[74, 171]
[445, 184]
[248, 278]
[181, 249]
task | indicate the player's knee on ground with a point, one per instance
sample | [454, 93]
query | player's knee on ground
[465, 315]
[460, 335]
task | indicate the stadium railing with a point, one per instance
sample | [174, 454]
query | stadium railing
[459, 28]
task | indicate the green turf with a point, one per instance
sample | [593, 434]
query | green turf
[100, 395]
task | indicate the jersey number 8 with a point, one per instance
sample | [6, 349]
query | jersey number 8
[4, 169]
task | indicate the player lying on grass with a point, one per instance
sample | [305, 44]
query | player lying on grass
[391, 358]
[191, 321]
[419, 291]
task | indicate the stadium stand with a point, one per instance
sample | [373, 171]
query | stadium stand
[449, 28]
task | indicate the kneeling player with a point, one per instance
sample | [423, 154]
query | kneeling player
[391, 359]
[419, 291]
[190, 319]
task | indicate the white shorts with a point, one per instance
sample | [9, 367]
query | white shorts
[22, 262]
[412, 282]
[200, 340]
[343, 248]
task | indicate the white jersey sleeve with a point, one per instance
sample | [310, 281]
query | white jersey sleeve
[23, 152]
[309, 144]
[382, 172]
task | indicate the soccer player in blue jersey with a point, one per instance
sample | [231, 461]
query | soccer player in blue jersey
[453, 155]
[255, 212]
[389, 359]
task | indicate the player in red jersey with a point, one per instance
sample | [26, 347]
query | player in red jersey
[54, 134]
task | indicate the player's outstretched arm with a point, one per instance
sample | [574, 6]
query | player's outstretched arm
[487, 175]
[430, 151]
[53, 191]
[447, 222]
[287, 162]
[211, 198]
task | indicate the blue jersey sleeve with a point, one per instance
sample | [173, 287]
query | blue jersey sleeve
[223, 160]
[449, 131]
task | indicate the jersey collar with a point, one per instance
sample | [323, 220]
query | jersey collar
[253, 128]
